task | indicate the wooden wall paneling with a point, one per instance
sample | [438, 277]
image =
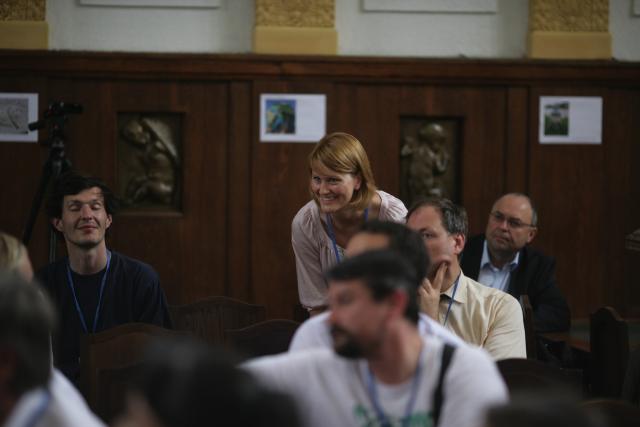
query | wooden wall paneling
[202, 229]
[241, 131]
[621, 209]
[516, 140]
[481, 112]
[280, 179]
[21, 167]
[371, 114]
[568, 184]
[633, 211]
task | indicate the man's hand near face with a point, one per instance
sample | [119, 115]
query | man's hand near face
[429, 292]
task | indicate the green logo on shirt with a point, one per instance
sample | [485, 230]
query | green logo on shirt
[366, 417]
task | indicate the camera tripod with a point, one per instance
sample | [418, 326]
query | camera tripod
[55, 118]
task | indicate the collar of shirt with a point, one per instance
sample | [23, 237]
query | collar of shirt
[485, 261]
[461, 291]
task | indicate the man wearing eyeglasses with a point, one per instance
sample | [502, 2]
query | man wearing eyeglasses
[502, 259]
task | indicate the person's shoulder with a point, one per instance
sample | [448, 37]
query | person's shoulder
[474, 245]
[316, 323]
[477, 239]
[312, 333]
[138, 269]
[430, 327]
[531, 255]
[391, 208]
[290, 361]
[464, 355]
[486, 293]
[306, 216]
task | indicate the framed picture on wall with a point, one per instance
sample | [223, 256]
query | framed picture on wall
[17, 110]
[570, 120]
[292, 117]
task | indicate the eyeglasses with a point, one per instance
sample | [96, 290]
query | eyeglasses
[513, 223]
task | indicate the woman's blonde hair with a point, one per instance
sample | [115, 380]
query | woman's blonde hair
[11, 250]
[343, 153]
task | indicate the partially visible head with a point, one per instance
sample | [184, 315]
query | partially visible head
[394, 236]
[366, 293]
[443, 226]
[136, 132]
[14, 257]
[27, 320]
[512, 224]
[433, 132]
[342, 154]
[81, 208]
[184, 383]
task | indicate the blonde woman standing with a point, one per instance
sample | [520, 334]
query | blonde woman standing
[344, 196]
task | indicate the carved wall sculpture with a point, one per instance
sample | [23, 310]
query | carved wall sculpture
[569, 29]
[22, 10]
[296, 13]
[428, 156]
[149, 160]
[569, 15]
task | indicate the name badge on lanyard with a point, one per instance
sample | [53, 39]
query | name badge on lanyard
[75, 298]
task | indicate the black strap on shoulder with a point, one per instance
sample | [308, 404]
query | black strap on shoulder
[447, 353]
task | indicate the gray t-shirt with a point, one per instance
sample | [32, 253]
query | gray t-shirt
[332, 391]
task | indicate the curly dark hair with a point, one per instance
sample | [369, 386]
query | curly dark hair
[72, 183]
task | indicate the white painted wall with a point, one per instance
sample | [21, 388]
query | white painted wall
[73, 26]
[624, 26]
[487, 35]
[229, 28]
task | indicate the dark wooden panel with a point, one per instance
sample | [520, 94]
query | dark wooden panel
[516, 144]
[621, 209]
[241, 130]
[21, 169]
[583, 195]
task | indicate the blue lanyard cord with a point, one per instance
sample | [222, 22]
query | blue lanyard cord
[75, 298]
[332, 235]
[373, 395]
[39, 412]
[453, 295]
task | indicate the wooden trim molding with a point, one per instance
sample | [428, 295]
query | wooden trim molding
[244, 67]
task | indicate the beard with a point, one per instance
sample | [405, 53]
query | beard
[345, 344]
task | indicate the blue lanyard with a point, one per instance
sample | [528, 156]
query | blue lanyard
[332, 235]
[453, 295]
[373, 395]
[39, 412]
[75, 298]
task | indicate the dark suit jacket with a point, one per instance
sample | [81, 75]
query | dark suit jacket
[534, 276]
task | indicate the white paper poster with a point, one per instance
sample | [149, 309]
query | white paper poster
[17, 110]
[292, 117]
[570, 120]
